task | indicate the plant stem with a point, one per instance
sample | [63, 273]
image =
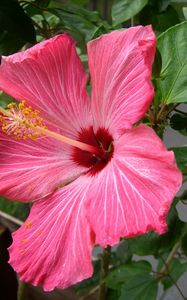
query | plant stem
[164, 269]
[177, 287]
[160, 112]
[105, 260]
[176, 247]
[92, 291]
[132, 21]
[22, 290]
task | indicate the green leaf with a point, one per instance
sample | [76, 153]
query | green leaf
[172, 84]
[180, 6]
[181, 157]
[113, 294]
[5, 99]
[184, 244]
[154, 244]
[36, 7]
[120, 275]
[99, 31]
[80, 2]
[123, 252]
[140, 287]
[74, 9]
[157, 65]
[16, 27]
[160, 20]
[146, 244]
[178, 122]
[16, 209]
[163, 4]
[175, 270]
[123, 10]
[85, 23]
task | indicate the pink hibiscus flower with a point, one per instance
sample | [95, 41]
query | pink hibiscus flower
[108, 179]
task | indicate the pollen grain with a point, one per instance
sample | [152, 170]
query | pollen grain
[23, 241]
[28, 224]
[21, 121]
[22, 250]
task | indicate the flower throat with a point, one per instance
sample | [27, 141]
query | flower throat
[90, 150]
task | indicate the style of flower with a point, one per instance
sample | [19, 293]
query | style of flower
[93, 176]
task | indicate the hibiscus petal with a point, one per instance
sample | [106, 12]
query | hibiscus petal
[132, 195]
[120, 66]
[30, 169]
[53, 247]
[51, 78]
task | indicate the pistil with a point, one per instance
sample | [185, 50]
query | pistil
[17, 122]
[70, 141]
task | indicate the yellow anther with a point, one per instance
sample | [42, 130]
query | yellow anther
[11, 105]
[23, 241]
[22, 250]
[28, 224]
[30, 187]
[21, 121]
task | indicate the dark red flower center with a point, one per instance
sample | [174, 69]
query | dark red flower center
[101, 140]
